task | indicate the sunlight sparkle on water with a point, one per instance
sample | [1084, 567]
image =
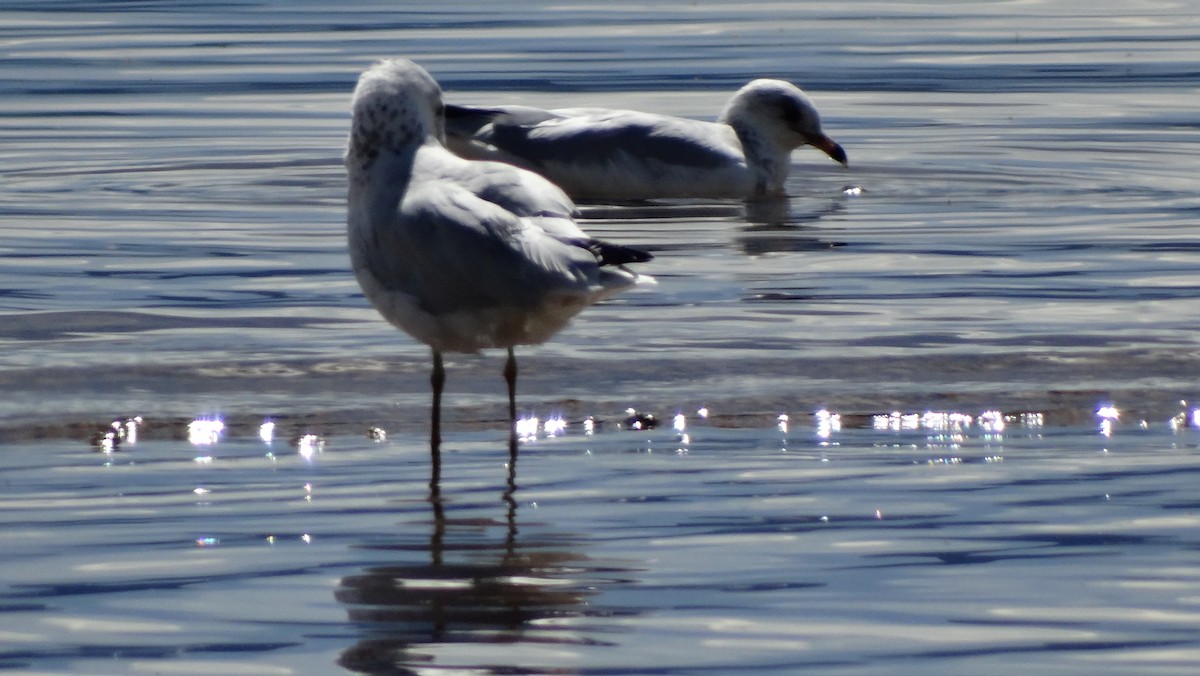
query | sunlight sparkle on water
[954, 460]
[309, 445]
[827, 423]
[266, 432]
[1185, 418]
[108, 440]
[118, 433]
[554, 426]
[527, 428]
[1108, 415]
[639, 421]
[205, 431]
[1032, 419]
[896, 421]
[131, 429]
[992, 421]
[946, 420]
[679, 423]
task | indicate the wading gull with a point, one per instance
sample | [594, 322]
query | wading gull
[460, 254]
[595, 153]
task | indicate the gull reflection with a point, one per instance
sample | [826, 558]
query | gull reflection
[772, 224]
[474, 581]
[775, 227]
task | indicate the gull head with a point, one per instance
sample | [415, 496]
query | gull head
[397, 107]
[779, 114]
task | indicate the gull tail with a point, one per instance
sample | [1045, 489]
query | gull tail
[615, 254]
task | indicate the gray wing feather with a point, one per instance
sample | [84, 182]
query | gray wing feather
[598, 138]
[457, 251]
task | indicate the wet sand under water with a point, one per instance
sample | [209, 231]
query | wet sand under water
[1065, 388]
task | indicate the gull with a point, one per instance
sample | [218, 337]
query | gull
[460, 254]
[597, 153]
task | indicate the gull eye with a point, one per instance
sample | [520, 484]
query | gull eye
[796, 117]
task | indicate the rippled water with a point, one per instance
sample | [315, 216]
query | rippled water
[1025, 241]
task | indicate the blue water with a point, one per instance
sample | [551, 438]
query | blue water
[1024, 241]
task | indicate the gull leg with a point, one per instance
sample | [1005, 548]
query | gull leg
[510, 377]
[437, 379]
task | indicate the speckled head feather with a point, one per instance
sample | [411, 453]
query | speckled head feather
[771, 118]
[397, 106]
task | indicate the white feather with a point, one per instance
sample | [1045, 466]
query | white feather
[597, 153]
[462, 255]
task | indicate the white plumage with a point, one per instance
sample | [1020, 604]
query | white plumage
[594, 153]
[462, 255]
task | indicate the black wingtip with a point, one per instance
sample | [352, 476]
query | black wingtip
[454, 112]
[616, 254]
[467, 120]
[459, 112]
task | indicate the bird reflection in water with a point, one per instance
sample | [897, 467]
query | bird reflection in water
[773, 227]
[477, 587]
[765, 224]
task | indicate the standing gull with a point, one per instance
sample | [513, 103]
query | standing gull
[462, 255]
[595, 153]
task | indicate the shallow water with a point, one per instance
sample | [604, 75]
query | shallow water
[877, 548]
[1025, 241]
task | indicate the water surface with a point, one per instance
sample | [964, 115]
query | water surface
[1024, 241]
